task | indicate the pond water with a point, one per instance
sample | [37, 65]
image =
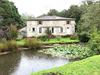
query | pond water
[27, 62]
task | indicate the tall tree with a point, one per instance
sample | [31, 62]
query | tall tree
[74, 12]
[63, 13]
[9, 13]
[52, 12]
[90, 19]
[25, 17]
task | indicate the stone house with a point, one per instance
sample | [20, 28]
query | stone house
[57, 25]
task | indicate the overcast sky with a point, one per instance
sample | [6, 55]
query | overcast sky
[39, 7]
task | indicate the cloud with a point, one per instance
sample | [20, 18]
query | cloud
[39, 7]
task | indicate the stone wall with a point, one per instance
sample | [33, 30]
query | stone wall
[68, 29]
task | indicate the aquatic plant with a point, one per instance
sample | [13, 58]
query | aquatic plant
[70, 51]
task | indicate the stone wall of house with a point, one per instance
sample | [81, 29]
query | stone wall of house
[22, 32]
[68, 29]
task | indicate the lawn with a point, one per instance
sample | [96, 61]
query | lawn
[88, 66]
[62, 40]
[20, 42]
[51, 41]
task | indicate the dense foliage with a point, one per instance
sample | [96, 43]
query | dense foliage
[13, 31]
[42, 37]
[9, 14]
[94, 42]
[32, 43]
[8, 46]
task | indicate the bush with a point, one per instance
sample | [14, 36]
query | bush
[94, 42]
[43, 37]
[83, 37]
[58, 37]
[24, 36]
[11, 45]
[48, 31]
[5, 34]
[73, 37]
[18, 39]
[13, 31]
[8, 46]
[32, 43]
[3, 47]
[3, 40]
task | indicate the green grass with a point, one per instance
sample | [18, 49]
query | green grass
[63, 40]
[20, 43]
[88, 66]
[52, 41]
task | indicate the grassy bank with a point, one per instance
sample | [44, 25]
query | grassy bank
[88, 66]
[52, 41]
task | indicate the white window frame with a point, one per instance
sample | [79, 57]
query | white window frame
[40, 30]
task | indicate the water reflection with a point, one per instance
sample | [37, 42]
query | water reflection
[26, 62]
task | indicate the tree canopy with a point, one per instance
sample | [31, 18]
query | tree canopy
[9, 14]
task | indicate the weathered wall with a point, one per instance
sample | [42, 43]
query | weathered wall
[55, 24]
[22, 32]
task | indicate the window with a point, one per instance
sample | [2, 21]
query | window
[61, 29]
[33, 29]
[40, 22]
[52, 30]
[40, 30]
[68, 22]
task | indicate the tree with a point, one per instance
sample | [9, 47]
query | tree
[63, 13]
[90, 19]
[52, 12]
[9, 14]
[25, 17]
[74, 12]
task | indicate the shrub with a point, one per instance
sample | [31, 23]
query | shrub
[58, 37]
[8, 46]
[11, 45]
[18, 39]
[73, 37]
[48, 31]
[94, 42]
[24, 36]
[13, 31]
[43, 37]
[3, 47]
[83, 37]
[32, 43]
[5, 34]
[3, 40]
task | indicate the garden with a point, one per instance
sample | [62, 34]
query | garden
[69, 48]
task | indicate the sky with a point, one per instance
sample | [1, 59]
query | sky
[39, 7]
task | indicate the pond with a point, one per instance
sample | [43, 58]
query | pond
[27, 62]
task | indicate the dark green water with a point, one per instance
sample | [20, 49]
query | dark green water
[27, 62]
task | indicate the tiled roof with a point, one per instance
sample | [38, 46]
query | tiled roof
[51, 18]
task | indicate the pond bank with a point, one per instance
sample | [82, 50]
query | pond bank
[42, 47]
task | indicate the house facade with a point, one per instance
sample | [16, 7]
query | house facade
[57, 25]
